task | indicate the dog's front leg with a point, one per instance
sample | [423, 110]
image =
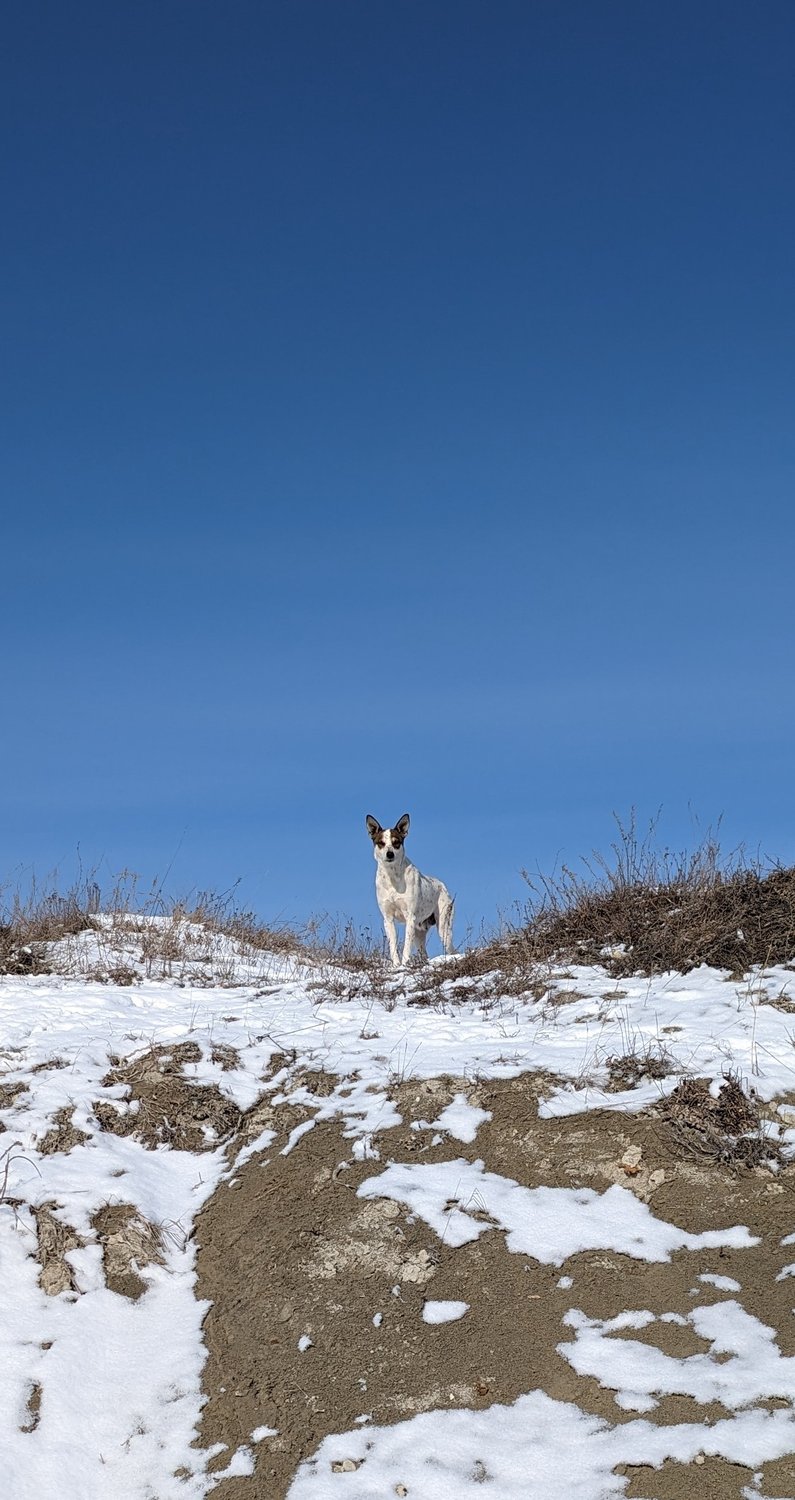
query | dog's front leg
[391, 937]
[410, 940]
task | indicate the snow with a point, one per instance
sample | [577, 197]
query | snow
[120, 1380]
[753, 1371]
[549, 1224]
[723, 1283]
[460, 1119]
[537, 1449]
[443, 1312]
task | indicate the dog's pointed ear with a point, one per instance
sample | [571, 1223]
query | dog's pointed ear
[402, 826]
[373, 827]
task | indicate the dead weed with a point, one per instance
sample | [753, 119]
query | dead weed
[164, 1107]
[725, 1127]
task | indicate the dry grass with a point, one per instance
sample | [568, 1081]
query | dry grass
[638, 910]
[136, 933]
[627, 1070]
[724, 1127]
[641, 910]
[163, 1106]
[29, 922]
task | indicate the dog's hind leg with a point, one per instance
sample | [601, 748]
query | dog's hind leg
[421, 934]
[444, 918]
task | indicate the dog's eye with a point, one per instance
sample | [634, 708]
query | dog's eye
[396, 843]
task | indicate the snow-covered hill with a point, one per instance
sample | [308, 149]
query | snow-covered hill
[511, 1179]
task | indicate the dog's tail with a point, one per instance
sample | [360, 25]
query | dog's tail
[446, 909]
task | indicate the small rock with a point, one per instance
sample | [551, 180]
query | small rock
[418, 1267]
[400, 1489]
[286, 1313]
[656, 1178]
[345, 1466]
[631, 1160]
[699, 1458]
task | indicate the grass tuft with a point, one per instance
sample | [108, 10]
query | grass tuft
[641, 910]
[124, 934]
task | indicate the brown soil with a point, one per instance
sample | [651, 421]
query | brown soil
[286, 1249]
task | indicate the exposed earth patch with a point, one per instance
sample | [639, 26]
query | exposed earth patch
[317, 1295]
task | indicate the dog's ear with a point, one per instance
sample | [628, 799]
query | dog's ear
[373, 827]
[402, 826]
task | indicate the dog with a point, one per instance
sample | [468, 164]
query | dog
[404, 895]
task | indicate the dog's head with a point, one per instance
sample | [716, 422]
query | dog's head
[388, 842]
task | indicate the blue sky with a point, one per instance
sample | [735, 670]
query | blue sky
[397, 415]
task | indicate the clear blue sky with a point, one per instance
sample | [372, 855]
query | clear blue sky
[397, 415]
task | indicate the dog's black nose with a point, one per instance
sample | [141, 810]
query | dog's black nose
[390, 854]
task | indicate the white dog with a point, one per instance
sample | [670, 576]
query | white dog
[404, 895]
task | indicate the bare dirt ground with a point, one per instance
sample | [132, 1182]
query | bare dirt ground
[287, 1251]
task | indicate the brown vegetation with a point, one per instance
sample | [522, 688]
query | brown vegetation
[638, 910]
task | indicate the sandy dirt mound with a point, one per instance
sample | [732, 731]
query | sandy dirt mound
[317, 1295]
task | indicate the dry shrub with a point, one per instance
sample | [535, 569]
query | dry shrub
[648, 911]
[169, 1108]
[219, 913]
[725, 1128]
[225, 1057]
[346, 960]
[639, 910]
[131, 925]
[123, 975]
[28, 923]
[631, 1068]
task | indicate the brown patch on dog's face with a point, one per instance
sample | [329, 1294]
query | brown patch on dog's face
[394, 841]
[387, 842]
[380, 837]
